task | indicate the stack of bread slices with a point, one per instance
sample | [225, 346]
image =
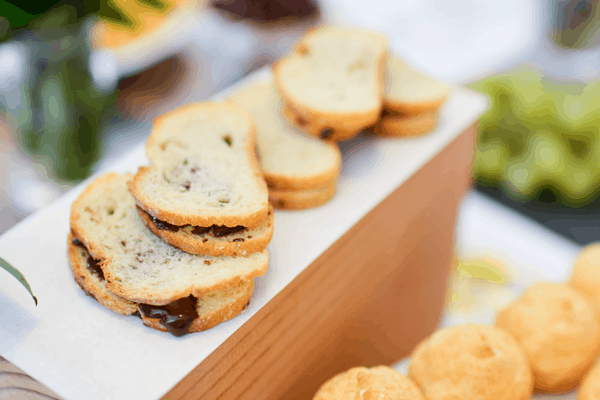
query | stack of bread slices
[180, 243]
[301, 171]
[338, 81]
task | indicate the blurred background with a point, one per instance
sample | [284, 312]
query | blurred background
[80, 82]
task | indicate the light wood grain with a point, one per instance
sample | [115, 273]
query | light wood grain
[17, 385]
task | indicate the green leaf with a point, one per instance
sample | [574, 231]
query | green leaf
[4, 264]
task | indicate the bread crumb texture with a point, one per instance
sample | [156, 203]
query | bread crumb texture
[204, 169]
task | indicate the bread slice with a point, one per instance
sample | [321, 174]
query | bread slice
[290, 159]
[301, 199]
[396, 125]
[89, 276]
[214, 241]
[138, 265]
[411, 92]
[204, 170]
[332, 81]
[212, 309]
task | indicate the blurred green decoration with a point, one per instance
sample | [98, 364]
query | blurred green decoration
[61, 112]
[18, 276]
[70, 112]
[540, 136]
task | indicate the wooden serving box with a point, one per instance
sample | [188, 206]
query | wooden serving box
[358, 281]
[367, 300]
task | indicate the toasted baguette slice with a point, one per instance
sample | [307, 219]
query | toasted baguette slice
[138, 265]
[204, 170]
[303, 199]
[411, 92]
[290, 160]
[213, 308]
[333, 80]
[94, 283]
[208, 242]
[395, 125]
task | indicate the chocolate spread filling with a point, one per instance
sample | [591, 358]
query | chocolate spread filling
[177, 316]
[326, 133]
[215, 230]
[92, 264]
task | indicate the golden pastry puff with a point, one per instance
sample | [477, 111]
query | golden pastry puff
[586, 274]
[471, 362]
[590, 388]
[377, 383]
[556, 327]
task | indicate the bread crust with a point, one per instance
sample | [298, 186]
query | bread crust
[344, 126]
[147, 203]
[289, 181]
[148, 295]
[88, 282]
[411, 109]
[395, 125]
[301, 200]
[396, 69]
[92, 285]
[251, 241]
[315, 126]
[249, 220]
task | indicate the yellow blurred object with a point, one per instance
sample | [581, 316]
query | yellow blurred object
[145, 19]
[487, 270]
[478, 284]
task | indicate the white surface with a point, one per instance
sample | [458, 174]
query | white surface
[83, 351]
[533, 253]
[459, 40]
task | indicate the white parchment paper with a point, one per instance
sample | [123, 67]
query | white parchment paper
[81, 350]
